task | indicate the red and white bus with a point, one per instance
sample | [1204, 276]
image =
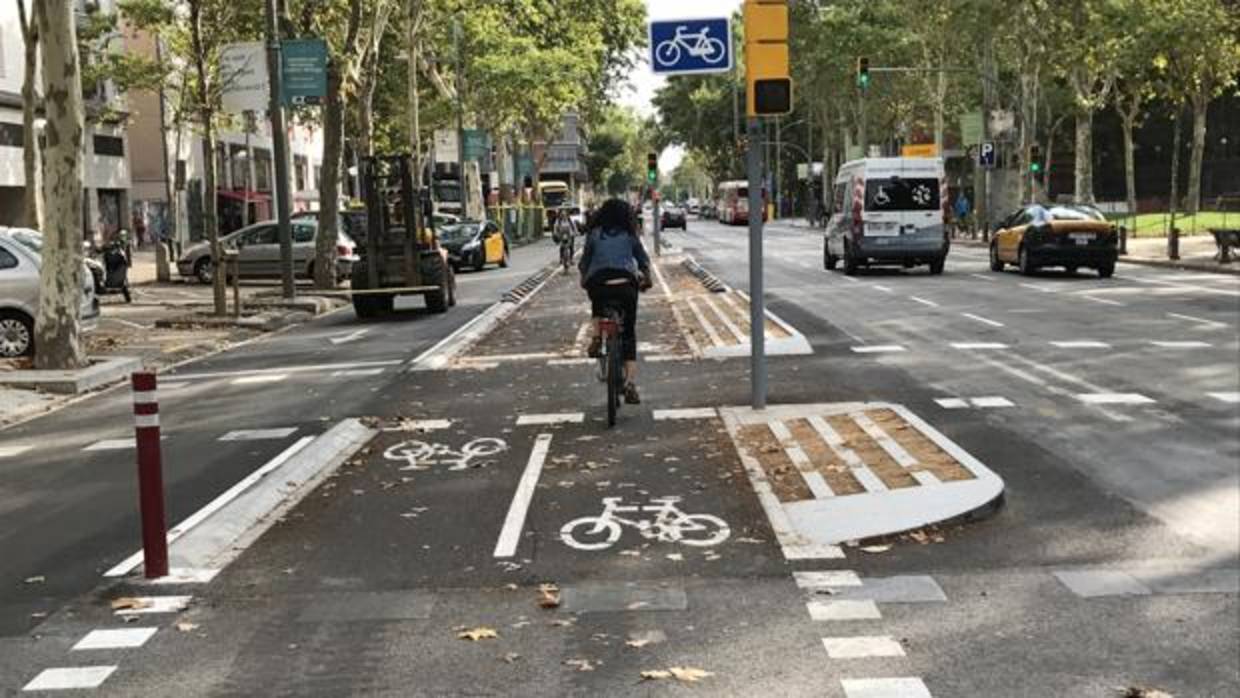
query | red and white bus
[732, 201]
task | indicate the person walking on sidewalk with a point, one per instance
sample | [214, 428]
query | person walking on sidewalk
[614, 265]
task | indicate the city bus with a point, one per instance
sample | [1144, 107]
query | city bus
[732, 201]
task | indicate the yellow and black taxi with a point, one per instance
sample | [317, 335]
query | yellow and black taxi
[473, 244]
[1068, 236]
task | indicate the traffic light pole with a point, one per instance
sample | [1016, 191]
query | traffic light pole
[757, 303]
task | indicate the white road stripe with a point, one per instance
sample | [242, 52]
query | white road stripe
[812, 551]
[991, 402]
[952, 403]
[258, 379]
[836, 442]
[10, 451]
[113, 639]
[924, 302]
[357, 373]
[70, 678]
[1038, 287]
[827, 579]
[1081, 344]
[578, 361]
[422, 425]
[878, 349]
[1198, 320]
[127, 565]
[925, 478]
[286, 370]
[710, 329]
[514, 522]
[979, 345]
[727, 322]
[155, 604]
[111, 445]
[861, 646]
[1230, 398]
[533, 420]
[843, 609]
[853, 279]
[258, 434]
[1180, 345]
[902, 687]
[868, 480]
[687, 413]
[981, 319]
[884, 289]
[182, 575]
[1114, 399]
[984, 277]
[1104, 301]
[350, 337]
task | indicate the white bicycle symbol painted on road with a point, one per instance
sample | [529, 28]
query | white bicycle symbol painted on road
[669, 525]
[698, 45]
[421, 455]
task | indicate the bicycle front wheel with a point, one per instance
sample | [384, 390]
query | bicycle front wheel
[710, 530]
[667, 53]
[715, 51]
[590, 533]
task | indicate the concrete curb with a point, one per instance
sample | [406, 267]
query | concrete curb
[449, 348]
[263, 322]
[73, 382]
[212, 541]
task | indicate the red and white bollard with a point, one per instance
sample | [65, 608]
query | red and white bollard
[150, 475]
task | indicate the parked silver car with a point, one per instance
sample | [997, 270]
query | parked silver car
[258, 253]
[20, 259]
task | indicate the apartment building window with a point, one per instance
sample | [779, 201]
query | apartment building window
[11, 134]
[299, 172]
[110, 145]
[240, 167]
[262, 170]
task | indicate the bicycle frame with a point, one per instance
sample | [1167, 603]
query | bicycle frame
[665, 509]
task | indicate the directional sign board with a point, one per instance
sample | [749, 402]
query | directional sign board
[691, 46]
[986, 155]
[304, 72]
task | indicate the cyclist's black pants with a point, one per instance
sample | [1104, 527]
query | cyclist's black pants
[624, 297]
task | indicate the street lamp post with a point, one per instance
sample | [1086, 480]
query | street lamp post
[279, 142]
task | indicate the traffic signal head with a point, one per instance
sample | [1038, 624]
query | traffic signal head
[769, 85]
[1035, 160]
[652, 167]
[863, 73]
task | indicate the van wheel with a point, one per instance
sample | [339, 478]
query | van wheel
[937, 264]
[996, 264]
[1106, 270]
[850, 261]
[829, 261]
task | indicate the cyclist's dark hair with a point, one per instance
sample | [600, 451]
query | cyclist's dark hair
[614, 215]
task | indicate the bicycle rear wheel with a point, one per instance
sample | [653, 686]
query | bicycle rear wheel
[614, 378]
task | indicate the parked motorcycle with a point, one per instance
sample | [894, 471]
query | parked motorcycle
[110, 270]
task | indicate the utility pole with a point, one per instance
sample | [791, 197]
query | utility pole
[757, 298]
[983, 199]
[779, 169]
[279, 140]
[460, 120]
[415, 127]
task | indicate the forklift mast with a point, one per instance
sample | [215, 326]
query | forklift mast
[396, 214]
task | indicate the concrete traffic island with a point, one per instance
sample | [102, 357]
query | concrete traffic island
[97, 373]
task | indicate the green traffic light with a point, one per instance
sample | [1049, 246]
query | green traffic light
[1035, 167]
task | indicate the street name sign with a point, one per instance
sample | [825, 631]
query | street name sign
[243, 76]
[304, 65]
[691, 46]
[986, 155]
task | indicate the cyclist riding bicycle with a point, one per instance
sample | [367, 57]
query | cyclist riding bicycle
[614, 265]
[564, 232]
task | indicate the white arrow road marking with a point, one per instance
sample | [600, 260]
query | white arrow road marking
[350, 337]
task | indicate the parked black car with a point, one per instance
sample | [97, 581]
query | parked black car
[674, 217]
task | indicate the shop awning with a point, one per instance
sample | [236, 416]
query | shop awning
[243, 195]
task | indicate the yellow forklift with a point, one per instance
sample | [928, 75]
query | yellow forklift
[400, 252]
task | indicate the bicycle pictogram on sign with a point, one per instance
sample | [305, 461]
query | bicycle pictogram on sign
[688, 46]
[698, 44]
[420, 455]
[668, 524]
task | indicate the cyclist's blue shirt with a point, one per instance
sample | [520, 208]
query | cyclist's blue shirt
[612, 251]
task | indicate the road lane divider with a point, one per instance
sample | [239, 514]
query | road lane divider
[514, 521]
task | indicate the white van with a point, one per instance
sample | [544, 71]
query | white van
[887, 211]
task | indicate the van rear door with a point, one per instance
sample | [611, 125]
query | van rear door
[902, 205]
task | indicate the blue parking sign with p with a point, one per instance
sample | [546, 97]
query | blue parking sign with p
[691, 46]
[986, 154]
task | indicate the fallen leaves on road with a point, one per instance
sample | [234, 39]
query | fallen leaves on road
[875, 549]
[675, 557]
[129, 603]
[476, 634]
[549, 596]
[685, 674]
[187, 627]
[1144, 692]
[650, 637]
[510, 657]
[581, 664]
[37, 579]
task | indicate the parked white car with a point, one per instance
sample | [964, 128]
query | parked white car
[20, 259]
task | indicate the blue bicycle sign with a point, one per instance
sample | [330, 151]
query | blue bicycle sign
[689, 46]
